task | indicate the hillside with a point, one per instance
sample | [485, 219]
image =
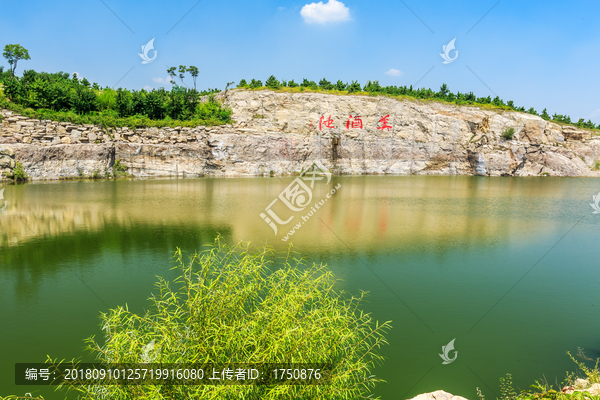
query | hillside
[278, 132]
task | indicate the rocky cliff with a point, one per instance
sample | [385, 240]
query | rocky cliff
[280, 133]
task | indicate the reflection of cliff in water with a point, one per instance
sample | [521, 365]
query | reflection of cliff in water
[366, 213]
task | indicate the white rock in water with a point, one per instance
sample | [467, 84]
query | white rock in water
[438, 395]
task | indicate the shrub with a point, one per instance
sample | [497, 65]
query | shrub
[353, 87]
[254, 84]
[231, 305]
[508, 133]
[242, 84]
[325, 84]
[272, 83]
[18, 172]
[118, 168]
[339, 85]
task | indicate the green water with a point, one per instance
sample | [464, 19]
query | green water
[507, 266]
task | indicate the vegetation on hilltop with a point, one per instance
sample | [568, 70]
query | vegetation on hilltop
[374, 88]
[61, 97]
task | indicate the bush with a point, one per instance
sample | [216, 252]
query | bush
[18, 173]
[254, 84]
[272, 83]
[508, 134]
[118, 168]
[231, 305]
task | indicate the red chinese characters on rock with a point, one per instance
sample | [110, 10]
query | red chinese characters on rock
[327, 123]
[384, 121]
[354, 122]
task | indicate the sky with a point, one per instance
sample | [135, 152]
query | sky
[541, 54]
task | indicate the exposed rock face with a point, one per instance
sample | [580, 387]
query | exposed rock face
[7, 161]
[281, 132]
[438, 395]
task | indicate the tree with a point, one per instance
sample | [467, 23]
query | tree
[340, 85]
[272, 83]
[194, 73]
[444, 91]
[325, 84]
[182, 71]
[172, 74]
[13, 53]
[545, 115]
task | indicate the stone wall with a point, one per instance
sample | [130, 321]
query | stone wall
[280, 133]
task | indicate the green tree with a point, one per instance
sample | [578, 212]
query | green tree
[255, 84]
[13, 53]
[545, 115]
[242, 84]
[172, 73]
[325, 84]
[443, 91]
[182, 71]
[194, 73]
[272, 83]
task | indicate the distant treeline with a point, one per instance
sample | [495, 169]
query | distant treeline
[373, 87]
[61, 96]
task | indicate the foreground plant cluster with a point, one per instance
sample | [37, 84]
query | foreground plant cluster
[231, 304]
[444, 94]
[571, 388]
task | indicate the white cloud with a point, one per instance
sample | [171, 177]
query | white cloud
[280, 8]
[319, 13]
[162, 80]
[394, 72]
[78, 75]
[594, 113]
[148, 88]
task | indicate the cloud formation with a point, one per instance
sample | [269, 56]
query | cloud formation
[162, 80]
[319, 13]
[394, 72]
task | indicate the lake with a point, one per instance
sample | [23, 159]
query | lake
[508, 267]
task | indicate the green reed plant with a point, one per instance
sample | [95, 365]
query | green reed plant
[233, 305]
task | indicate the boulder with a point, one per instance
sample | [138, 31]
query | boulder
[438, 395]
[7, 151]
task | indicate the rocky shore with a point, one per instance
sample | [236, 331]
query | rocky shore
[281, 133]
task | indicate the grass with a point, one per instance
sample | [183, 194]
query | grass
[508, 133]
[543, 390]
[596, 165]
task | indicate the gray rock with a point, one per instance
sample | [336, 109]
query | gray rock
[7, 151]
[438, 395]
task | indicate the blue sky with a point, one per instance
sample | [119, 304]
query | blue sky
[536, 53]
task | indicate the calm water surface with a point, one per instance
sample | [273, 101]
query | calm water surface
[507, 266]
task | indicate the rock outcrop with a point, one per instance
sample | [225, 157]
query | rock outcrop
[438, 395]
[280, 133]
